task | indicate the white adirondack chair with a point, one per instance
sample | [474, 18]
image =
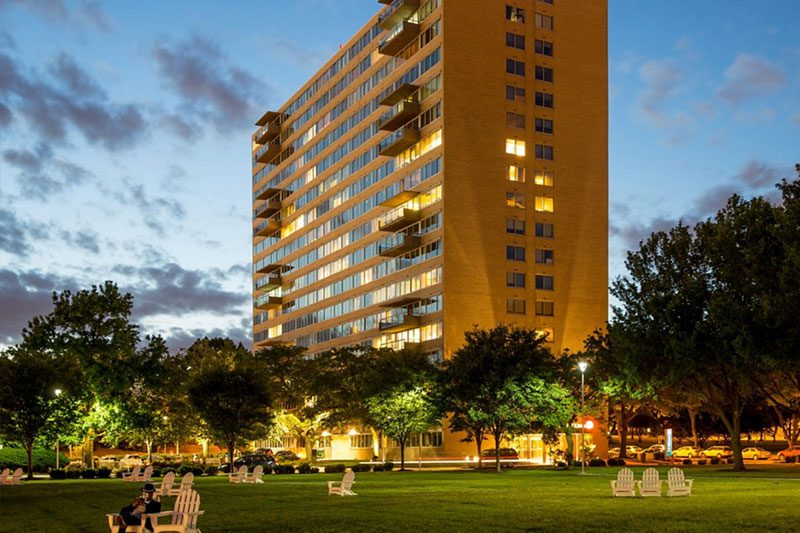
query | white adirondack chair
[255, 477]
[132, 476]
[4, 474]
[623, 485]
[14, 479]
[164, 488]
[650, 485]
[146, 475]
[128, 529]
[677, 485]
[239, 475]
[183, 516]
[345, 486]
[185, 486]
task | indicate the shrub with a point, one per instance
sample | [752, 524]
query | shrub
[616, 461]
[597, 462]
[73, 473]
[702, 461]
[687, 461]
[284, 469]
[58, 474]
[89, 473]
[714, 461]
[43, 460]
[304, 468]
[211, 470]
[563, 464]
[166, 471]
[197, 471]
[388, 466]
[157, 472]
[103, 473]
[361, 468]
[334, 469]
[184, 469]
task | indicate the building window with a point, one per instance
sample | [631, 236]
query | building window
[515, 147]
[515, 41]
[544, 177]
[361, 440]
[544, 283]
[515, 279]
[544, 73]
[544, 204]
[544, 99]
[515, 67]
[515, 253]
[544, 230]
[544, 257]
[544, 308]
[516, 173]
[515, 94]
[515, 120]
[515, 226]
[547, 1]
[515, 14]
[544, 151]
[323, 442]
[515, 199]
[544, 125]
[544, 48]
[515, 306]
[544, 22]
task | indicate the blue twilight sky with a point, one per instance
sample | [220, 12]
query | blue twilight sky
[124, 135]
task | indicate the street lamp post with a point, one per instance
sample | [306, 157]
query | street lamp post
[58, 393]
[582, 366]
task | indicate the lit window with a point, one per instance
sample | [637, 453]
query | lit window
[515, 120]
[544, 22]
[544, 257]
[543, 203]
[515, 94]
[544, 99]
[544, 230]
[515, 199]
[515, 147]
[544, 283]
[544, 151]
[544, 73]
[515, 253]
[543, 177]
[515, 306]
[544, 48]
[515, 14]
[516, 173]
[515, 279]
[544, 308]
[515, 67]
[515, 226]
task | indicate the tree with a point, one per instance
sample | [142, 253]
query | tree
[402, 411]
[229, 389]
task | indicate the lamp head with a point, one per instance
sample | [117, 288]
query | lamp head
[583, 365]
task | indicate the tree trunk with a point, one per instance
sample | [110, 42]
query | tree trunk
[479, 445]
[622, 427]
[309, 436]
[736, 442]
[693, 423]
[402, 455]
[231, 450]
[87, 450]
[29, 449]
[497, 436]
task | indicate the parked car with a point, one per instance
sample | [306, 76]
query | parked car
[108, 461]
[630, 451]
[720, 452]
[687, 452]
[130, 460]
[508, 457]
[286, 456]
[656, 449]
[250, 461]
[756, 453]
[791, 451]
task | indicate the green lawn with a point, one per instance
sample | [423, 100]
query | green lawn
[765, 499]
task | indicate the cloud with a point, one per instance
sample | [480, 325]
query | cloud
[210, 88]
[43, 174]
[5, 115]
[25, 295]
[179, 338]
[84, 239]
[55, 12]
[660, 79]
[750, 76]
[634, 233]
[152, 209]
[92, 13]
[17, 237]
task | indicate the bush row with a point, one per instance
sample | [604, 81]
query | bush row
[13, 458]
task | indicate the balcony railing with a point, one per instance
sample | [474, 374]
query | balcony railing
[397, 244]
[401, 36]
[266, 133]
[267, 117]
[397, 11]
[267, 302]
[270, 268]
[398, 141]
[398, 322]
[266, 192]
[268, 152]
[268, 283]
[398, 115]
[268, 208]
[397, 219]
[269, 227]
[401, 92]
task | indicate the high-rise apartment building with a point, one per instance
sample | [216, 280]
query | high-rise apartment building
[446, 168]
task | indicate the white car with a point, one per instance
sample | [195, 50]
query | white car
[130, 460]
[755, 453]
[109, 461]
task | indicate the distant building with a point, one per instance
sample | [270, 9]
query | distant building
[446, 168]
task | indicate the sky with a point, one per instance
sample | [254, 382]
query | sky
[125, 136]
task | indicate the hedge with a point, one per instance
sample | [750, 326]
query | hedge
[43, 460]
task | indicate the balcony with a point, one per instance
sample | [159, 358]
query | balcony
[268, 283]
[401, 36]
[400, 140]
[266, 192]
[400, 93]
[397, 219]
[267, 302]
[267, 117]
[397, 11]
[397, 244]
[398, 322]
[398, 115]
[268, 152]
[267, 133]
[268, 208]
[270, 268]
[268, 228]
[406, 301]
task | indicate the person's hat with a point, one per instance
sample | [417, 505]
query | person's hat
[148, 487]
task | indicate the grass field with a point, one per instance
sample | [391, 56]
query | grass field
[764, 499]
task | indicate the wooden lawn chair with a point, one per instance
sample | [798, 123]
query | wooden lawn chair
[650, 485]
[186, 485]
[255, 477]
[239, 475]
[146, 475]
[623, 485]
[4, 474]
[132, 476]
[677, 485]
[183, 516]
[15, 478]
[164, 488]
[345, 486]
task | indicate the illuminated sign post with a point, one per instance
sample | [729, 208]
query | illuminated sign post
[668, 442]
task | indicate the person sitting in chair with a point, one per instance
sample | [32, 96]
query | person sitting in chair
[131, 515]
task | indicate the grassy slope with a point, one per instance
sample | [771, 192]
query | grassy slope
[446, 501]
